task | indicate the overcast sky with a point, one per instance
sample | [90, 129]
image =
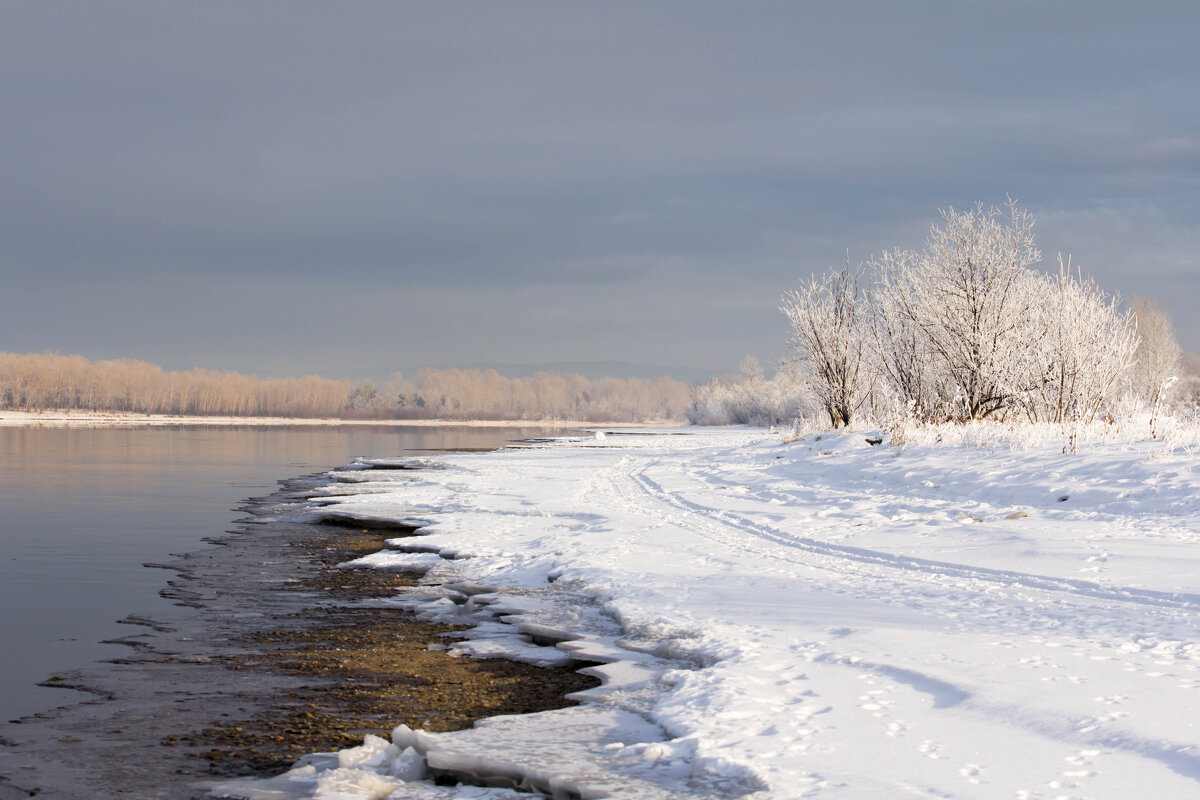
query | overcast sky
[351, 188]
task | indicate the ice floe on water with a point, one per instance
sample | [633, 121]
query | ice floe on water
[829, 617]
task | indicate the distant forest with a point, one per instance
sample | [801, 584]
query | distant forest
[52, 381]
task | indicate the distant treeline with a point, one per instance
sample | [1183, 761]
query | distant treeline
[485, 394]
[53, 381]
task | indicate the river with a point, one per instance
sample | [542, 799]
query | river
[82, 509]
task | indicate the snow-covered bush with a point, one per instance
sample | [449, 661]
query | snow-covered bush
[751, 399]
[1178, 434]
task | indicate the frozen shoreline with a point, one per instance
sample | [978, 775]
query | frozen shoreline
[11, 418]
[260, 626]
[822, 618]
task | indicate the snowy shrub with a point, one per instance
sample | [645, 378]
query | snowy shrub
[802, 427]
[751, 399]
[1178, 434]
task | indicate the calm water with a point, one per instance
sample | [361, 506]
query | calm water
[82, 508]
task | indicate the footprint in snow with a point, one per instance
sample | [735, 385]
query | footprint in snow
[1034, 662]
[1080, 763]
[874, 703]
[931, 749]
[972, 772]
[1082, 757]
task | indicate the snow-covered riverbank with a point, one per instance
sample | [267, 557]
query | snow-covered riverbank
[822, 618]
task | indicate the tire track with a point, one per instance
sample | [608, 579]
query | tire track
[926, 568]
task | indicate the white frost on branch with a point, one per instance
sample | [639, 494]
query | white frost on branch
[964, 296]
[1080, 346]
[1158, 354]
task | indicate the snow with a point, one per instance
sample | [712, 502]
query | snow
[819, 618]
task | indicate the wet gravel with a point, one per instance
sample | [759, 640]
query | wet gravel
[376, 668]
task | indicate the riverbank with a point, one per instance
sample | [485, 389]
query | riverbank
[72, 417]
[272, 651]
[835, 616]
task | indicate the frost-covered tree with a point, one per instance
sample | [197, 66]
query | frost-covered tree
[366, 400]
[1158, 354]
[966, 329]
[829, 338]
[752, 371]
[901, 350]
[964, 296]
[1078, 348]
[1187, 390]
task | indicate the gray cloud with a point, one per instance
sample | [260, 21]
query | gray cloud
[226, 184]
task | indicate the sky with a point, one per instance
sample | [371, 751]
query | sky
[353, 188]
